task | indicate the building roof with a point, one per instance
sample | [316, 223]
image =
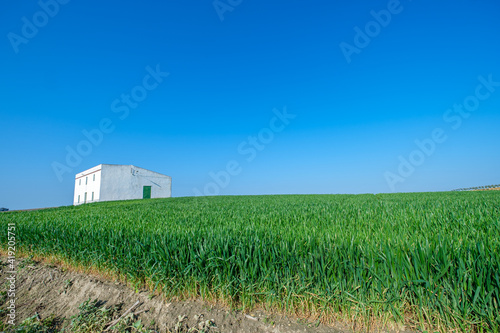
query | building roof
[99, 167]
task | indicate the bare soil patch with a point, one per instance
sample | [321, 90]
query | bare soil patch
[490, 189]
[50, 290]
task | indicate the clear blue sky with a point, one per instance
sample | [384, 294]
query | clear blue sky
[353, 123]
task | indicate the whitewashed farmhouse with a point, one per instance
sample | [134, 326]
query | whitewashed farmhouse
[108, 182]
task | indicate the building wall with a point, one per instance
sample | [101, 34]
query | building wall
[87, 186]
[125, 182]
[108, 182]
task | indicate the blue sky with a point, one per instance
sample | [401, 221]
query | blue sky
[352, 120]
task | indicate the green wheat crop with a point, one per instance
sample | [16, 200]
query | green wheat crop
[420, 259]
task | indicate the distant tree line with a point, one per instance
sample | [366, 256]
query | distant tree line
[478, 188]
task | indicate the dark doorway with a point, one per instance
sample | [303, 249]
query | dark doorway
[146, 192]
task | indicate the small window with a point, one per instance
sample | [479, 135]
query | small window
[80, 183]
[94, 177]
[85, 197]
[86, 180]
[78, 198]
[92, 196]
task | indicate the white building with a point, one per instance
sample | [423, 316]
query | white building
[108, 182]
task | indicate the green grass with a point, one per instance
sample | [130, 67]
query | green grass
[428, 260]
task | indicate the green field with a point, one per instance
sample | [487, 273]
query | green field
[418, 259]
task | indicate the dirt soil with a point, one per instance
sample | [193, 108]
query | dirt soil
[47, 289]
[51, 290]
